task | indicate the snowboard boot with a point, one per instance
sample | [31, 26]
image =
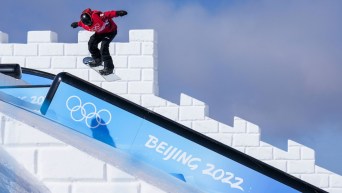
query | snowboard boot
[106, 71]
[97, 62]
[108, 66]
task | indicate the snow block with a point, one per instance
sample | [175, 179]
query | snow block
[3, 37]
[147, 35]
[83, 36]
[41, 37]
[52, 167]
[128, 48]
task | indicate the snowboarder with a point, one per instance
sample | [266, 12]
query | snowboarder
[105, 30]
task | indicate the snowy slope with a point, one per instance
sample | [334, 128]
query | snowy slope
[15, 179]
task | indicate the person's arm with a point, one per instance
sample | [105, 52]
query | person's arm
[111, 14]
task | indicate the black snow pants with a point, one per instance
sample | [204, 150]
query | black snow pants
[103, 53]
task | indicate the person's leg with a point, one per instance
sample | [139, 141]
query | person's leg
[93, 43]
[106, 58]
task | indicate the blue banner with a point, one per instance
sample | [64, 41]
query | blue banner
[30, 94]
[188, 161]
[35, 79]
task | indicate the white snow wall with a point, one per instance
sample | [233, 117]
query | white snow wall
[136, 63]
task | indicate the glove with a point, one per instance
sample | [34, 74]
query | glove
[74, 24]
[121, 13]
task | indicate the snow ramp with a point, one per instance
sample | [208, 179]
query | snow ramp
[141, 142]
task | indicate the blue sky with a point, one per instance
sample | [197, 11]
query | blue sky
[274, 63]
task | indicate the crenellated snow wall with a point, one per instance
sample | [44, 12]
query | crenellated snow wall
[56, 164]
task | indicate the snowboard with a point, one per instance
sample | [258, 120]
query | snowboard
[109, 77]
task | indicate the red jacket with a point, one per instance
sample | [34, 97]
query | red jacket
[102, 22]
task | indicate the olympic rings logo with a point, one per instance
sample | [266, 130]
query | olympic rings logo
[87, 112]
